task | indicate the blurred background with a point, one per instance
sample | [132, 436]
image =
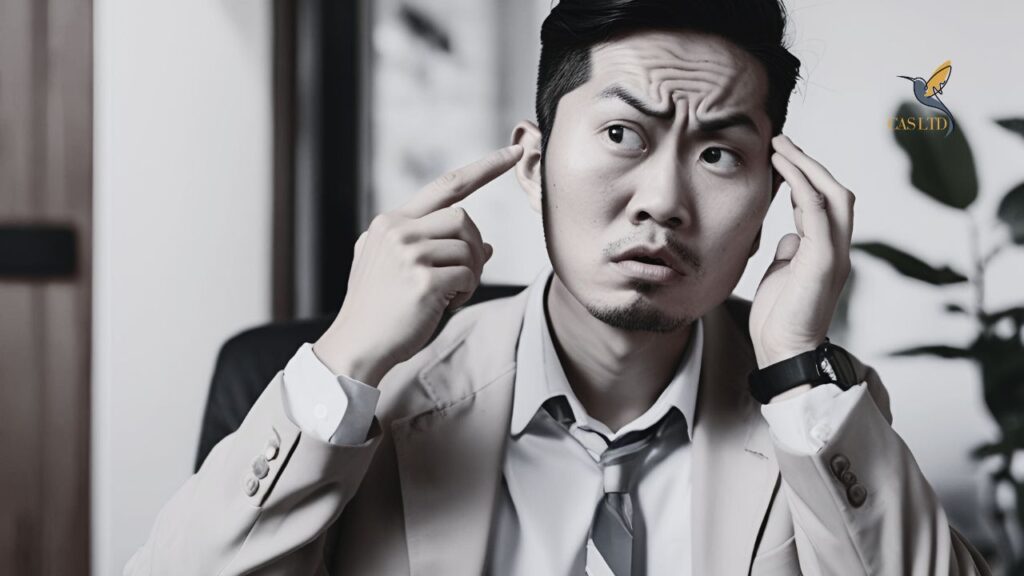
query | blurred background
[173, 174]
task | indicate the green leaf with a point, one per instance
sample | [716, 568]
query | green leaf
[941, 167]
[1011, 211]
[910, 265]
[1013, 125]
[939, 350]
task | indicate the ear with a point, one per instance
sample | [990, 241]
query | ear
[777, 181]
[527, 134]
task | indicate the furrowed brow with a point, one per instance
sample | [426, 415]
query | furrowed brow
[733, 120]
[619, 93]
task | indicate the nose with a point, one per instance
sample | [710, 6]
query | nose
[662, 194]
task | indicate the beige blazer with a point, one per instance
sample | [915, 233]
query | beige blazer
[418, 497]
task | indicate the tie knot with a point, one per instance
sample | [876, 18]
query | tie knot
[619, 478]
[625, 456]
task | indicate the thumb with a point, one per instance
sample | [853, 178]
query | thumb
[788, 245]
[784, 252]
[360, 242]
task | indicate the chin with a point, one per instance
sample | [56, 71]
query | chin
[639, 314]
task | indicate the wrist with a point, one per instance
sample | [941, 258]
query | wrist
[344, 359]
[795, 374]
[768, 356]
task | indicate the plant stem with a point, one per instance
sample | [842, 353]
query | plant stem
[978, 274]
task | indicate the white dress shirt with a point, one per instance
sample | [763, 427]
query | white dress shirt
[552, 482]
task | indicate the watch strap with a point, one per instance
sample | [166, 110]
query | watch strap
[775, 379]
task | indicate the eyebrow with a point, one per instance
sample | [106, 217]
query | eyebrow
[735, 119]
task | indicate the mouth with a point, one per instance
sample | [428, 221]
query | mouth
[652, 263]
[650, 260]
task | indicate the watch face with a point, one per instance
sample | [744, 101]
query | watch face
[840, 367]
[826, 368]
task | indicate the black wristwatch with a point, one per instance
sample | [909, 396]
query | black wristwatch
[826, 364]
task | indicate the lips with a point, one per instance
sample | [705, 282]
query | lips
[653, 255]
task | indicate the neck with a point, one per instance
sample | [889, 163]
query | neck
[616, 374]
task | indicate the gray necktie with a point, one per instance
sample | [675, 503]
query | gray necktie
[622, 460]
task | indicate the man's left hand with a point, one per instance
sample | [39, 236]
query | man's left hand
[794, 302]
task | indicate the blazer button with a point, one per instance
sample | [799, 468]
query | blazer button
[270, 452]
[856, 494]
[848, 478]
[251, 486]
[839, 464]
[260, 467]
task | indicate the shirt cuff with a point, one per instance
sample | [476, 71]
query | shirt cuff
[805, 423]
[336, 409]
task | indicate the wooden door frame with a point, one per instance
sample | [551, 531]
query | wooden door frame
[46, 150]
[321, 142]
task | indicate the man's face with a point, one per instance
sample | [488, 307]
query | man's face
[667, 147]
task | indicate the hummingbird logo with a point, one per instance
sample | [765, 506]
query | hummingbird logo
[927, 91]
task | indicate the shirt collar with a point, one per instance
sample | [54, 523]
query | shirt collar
[539, 373]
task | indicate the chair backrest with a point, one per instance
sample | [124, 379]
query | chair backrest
[249, 361]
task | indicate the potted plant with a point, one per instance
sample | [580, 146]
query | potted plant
[943, 169]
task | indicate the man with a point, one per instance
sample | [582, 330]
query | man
[601, 421]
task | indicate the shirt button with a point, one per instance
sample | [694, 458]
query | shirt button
[320, 411]
[822, 432]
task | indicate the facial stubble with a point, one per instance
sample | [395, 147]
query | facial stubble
[638, 315]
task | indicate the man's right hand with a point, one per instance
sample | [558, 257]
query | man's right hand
[410, 266]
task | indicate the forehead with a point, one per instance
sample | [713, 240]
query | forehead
[704, 73]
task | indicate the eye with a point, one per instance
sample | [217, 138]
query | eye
[715, 155]
[625, 138]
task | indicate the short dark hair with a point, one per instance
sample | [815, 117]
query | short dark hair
[574, 26]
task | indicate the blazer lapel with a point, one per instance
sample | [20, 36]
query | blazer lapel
[734, 467]
[450, 457]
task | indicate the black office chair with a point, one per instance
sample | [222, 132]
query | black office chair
[249, 361]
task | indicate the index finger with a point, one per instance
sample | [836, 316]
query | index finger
[840, 199]
[458, 184]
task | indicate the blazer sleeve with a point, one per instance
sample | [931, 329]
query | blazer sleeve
[262, 500]
[860, 505]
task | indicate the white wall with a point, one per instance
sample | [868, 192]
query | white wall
[182, 214]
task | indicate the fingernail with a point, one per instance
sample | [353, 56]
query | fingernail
[514, 150]
[489, 250]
